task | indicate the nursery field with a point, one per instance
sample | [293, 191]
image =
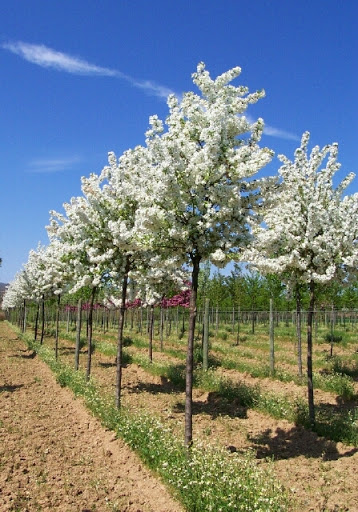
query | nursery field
[239, 406]
[54, 455]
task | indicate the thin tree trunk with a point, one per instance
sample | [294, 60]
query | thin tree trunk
[190, 353]
[57, 325]
[37, 320]
[299, 331]
[68, 321]
[89, 336]
[122, 311]
[309, 355]
[161, 328]
[78, 333]
[42, 320]
[24, 317]
[151, 329]
[141, 320]
[332, 330]
[272, 340]
[177, 321]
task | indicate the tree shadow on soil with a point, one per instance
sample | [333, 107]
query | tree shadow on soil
[214, 406]
[165, 386]
[31, 355]
[10, 388]
[283, 444]
[112, 364]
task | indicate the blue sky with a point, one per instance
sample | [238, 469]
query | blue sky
[79, 79]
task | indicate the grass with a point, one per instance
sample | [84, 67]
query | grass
[334, 375]
[206, 477]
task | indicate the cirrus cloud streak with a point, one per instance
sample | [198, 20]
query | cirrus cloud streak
[52, 165]
[46, 57]
[49, 58]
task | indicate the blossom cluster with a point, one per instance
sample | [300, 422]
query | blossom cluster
[310, 231]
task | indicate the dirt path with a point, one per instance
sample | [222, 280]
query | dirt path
[54, 456]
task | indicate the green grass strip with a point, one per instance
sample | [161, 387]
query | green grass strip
[204, 478]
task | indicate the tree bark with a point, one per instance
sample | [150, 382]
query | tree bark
[57, 325]
[24, 318]
[89, 335]
[37, 320]
[78, 333]
[42, 320]
[272, 340]
[190, 353]
[151, 330]
[122, 311]
[161, 328]
[299, 330]
[310, 315]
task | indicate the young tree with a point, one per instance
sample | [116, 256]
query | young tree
[196, 183]
[85, 245]
[310, 231]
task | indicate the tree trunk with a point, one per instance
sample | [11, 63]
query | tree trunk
[161, 328]
[78, 333]
[332, 330]
[299, 331]
[89, 335]
[272, 340]
[37, 320]
[309, 354]
[151, 330]
[122, 311]
[42, 320]
[206, 335]
[190, 353]
[57, 325]
[24, 318]
[68, 321]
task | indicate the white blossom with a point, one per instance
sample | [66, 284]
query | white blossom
[309, 231]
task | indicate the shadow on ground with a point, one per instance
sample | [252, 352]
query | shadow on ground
[10, 388]
[283, 444]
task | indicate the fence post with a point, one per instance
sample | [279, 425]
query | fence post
[272, 340]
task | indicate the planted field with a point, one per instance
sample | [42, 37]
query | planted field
[239, 409]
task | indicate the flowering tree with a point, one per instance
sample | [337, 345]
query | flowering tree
[17, 292]
[310, 232]
[196, 194]
[85, 244]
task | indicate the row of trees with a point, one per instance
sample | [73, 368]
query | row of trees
[188, 196]
[249, 290]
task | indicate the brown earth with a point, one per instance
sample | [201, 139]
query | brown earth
[54, 456]
[320, 475]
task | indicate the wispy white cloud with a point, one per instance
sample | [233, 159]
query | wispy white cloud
[157, 90]
[52, 165]
[275, 132]
[281, 134]
[49, 58]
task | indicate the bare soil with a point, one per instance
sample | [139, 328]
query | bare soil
[55, 456]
